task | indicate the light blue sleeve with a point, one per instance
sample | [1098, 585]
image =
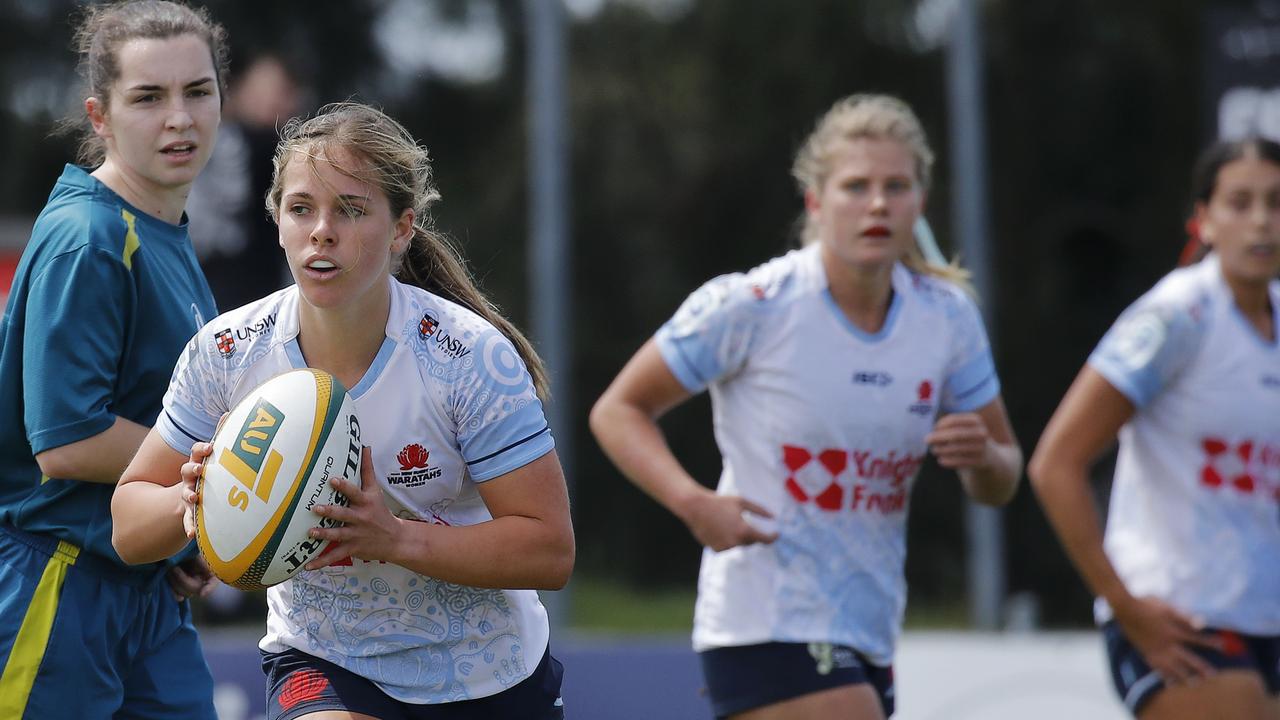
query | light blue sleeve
[1146, 348]
[196, 399]
[501, 426]
[710, 335]
[971, 381]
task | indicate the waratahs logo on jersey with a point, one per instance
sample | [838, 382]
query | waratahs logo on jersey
[415, 470]
[924, 399]
[226, 342]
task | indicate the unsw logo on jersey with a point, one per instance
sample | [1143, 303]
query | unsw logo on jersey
[429, 328]
[226, 342]
[414, 470]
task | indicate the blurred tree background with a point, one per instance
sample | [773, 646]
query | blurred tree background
[684, 117]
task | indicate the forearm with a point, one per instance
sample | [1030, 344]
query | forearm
[1068, 502]
[510, 552]
[996, 480]
[101, 458]
[146, 522]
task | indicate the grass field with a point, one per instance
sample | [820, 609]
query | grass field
[603, 606]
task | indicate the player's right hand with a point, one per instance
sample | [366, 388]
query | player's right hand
[191, 472]
[718, 522]
[1165, 638]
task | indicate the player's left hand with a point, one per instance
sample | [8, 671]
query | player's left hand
[960, 440]
[368, 529]
[191, 578]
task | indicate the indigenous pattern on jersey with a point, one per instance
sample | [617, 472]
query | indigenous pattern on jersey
[446, 404]
[104, 299]
[1195, 505]
[824, 425]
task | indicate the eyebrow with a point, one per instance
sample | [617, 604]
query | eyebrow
[153, 88]
[344, 199]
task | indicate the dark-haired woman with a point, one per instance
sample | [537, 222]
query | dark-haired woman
[106, 294]
[1187, 574]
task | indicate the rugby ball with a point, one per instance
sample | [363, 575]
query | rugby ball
[273, 457]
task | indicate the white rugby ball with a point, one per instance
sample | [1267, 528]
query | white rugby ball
[273, 456]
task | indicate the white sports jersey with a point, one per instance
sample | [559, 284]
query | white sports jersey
[446, 404]
[1195, 517]
[824, 425]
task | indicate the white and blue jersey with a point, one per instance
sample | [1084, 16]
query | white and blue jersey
[823, 424]
[447, 404]
[1195, 505]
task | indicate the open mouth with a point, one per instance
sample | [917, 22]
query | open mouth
[322, 268]
[179, 149]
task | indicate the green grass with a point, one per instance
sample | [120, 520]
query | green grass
[604, 606]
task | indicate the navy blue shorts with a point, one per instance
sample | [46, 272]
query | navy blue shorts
[751, 676]
[298, 683]
[1137, 682]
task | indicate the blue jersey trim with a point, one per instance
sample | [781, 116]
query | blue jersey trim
[178, 426]
[293, 351]
[974, 384]
[1139, 388]
[890, 318]
[679, 363]
[545, 428]
[379, 364]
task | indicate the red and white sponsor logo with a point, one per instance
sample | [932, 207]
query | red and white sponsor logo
[1247, 466]
[872, 482]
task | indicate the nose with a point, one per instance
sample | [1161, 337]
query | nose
[179, 117]
[879, 203]
[322, 231]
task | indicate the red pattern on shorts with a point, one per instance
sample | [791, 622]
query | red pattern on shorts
[302, 686]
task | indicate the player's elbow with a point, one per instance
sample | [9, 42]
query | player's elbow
[128, 551]
[560, 566]
[57, 463]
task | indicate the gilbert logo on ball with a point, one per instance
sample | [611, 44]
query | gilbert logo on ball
[273, 457]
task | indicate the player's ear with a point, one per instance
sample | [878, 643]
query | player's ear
[97, 111]
[811, 202]
[404, 230]
[1204, 226]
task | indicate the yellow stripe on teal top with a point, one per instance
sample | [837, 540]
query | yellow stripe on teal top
[33, 637]
[131, 243]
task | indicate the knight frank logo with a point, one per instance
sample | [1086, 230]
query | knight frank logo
[873, 482]
[415, 470]
[1243, 466]
[226, 342]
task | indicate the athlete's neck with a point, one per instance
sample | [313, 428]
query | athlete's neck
[862, 293]
[343, 340]
[1254, 301]
[162, 203]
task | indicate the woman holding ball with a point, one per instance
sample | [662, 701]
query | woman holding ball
[427, 606]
